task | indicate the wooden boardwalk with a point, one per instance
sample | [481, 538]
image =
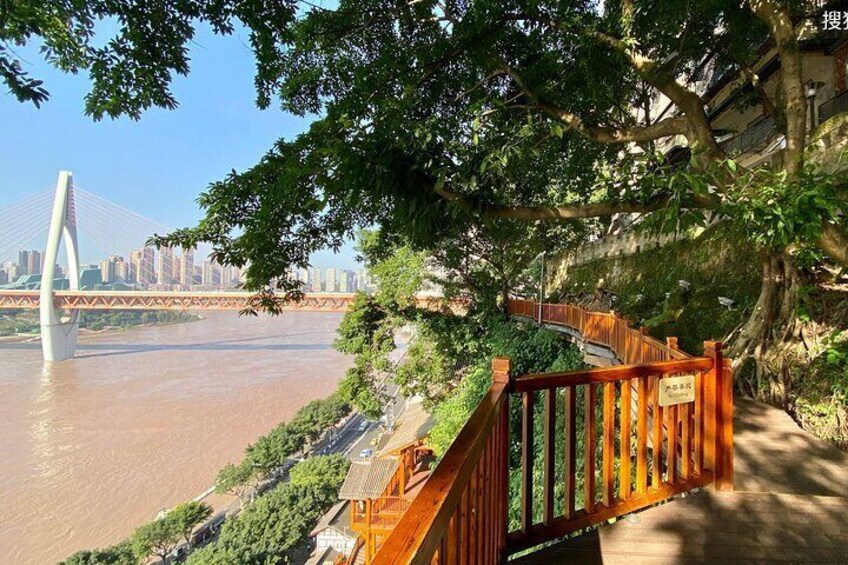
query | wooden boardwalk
[790, 506]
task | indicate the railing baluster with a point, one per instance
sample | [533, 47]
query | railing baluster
[504, 474]
[699, 422]
[642, 437]
[570, 469]
[481, 511]
[671, 431]
[657, 416]
[463, 529]
[685, 441]
[608, 493]
[527, 463]
[589, 448]
[549, 455]
[624, 449]
[451, 543]
[473, 556]
[487, 497]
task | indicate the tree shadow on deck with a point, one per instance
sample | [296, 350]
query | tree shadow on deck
[789, 506]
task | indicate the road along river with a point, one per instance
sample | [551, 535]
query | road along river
[142, 419]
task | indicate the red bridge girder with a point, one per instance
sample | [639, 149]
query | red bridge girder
[154, 300]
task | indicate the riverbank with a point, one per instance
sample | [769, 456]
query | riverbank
[25, 325]
[36, 336]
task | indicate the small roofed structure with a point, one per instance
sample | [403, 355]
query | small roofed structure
[413, 425]
[368, 479]
[380, 489]
[333, 531]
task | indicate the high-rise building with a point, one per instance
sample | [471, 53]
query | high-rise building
[330, 283]
[14, 271]
[316, 279]
[29, 262]
[142, 262]
[211, 274]
[107, 270]
[23, 261]
[344, 283]
[34, 263]
[114, 268]
[122, 270]
[185, 273]
[165, 266]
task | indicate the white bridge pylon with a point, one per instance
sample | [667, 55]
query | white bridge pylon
[58, 335]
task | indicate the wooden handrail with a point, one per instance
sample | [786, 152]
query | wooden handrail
[645, 452]
[632, 346]
[429, 528]
[542, 381]
[357, 547]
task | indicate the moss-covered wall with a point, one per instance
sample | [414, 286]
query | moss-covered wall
[709, 263]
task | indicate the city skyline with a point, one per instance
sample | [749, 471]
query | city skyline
[147, 268]
[92, 250]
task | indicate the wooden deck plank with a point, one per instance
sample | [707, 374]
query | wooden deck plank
[790, 506]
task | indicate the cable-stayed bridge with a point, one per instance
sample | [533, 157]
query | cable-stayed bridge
[57, 218]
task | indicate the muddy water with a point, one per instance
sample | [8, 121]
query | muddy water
[141, 420]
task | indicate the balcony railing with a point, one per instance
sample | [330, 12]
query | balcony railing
[385, 512]
[835, 105]
[643, 452]
[752, 137]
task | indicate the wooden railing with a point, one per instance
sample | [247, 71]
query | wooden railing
[632, 346]
[635, 452]
[385, 512]
[460, 515]
[358, 546]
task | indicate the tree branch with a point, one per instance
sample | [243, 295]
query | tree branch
[779, 22]
[566, 212]
[601, 134]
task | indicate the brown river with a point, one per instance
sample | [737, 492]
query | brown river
[142, 419]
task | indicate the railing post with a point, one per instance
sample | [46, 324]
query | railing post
[501, 369]
[718, 425]
[725, 482]
[671, 343]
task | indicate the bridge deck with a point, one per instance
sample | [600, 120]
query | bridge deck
[182, 300]
[790, 505]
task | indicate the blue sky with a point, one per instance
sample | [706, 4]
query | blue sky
[158, 165]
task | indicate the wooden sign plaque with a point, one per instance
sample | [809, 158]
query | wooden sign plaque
[677, 390]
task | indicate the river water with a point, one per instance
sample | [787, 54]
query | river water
[142, 419]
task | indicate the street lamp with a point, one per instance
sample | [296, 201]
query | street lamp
[810, 90]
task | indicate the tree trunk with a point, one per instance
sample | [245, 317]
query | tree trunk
[758, 357]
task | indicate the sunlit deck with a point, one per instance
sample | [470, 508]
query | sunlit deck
[788, 506]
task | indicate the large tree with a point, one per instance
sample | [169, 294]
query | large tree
[437, 116]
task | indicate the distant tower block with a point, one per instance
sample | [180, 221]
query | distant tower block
[59, 336]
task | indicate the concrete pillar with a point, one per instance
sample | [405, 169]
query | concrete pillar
[59, 336]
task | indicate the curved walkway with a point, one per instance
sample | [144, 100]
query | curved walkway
[790, 506]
